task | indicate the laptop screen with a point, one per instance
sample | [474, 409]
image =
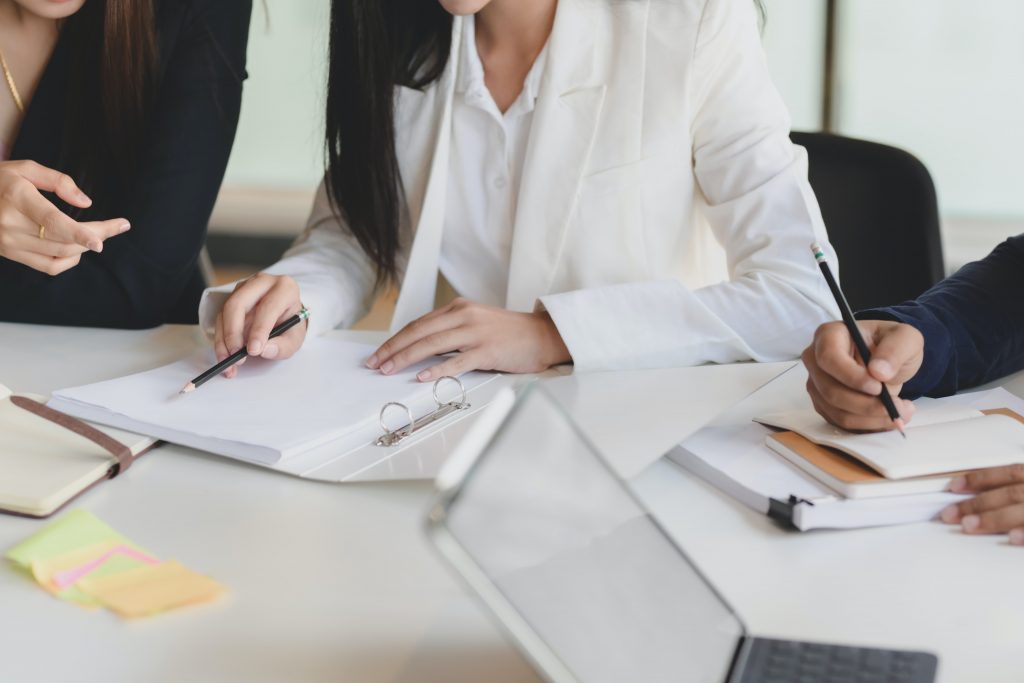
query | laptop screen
[582, 563]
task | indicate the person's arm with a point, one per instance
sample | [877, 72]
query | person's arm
[761, 208]
[142, 274]
[972, 323]
[333, 274]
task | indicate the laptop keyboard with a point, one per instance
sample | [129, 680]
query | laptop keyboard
[784, 661]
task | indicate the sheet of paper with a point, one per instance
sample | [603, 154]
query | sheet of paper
[153, 589]
[271, 410]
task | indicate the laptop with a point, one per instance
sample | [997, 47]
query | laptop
[589, 585]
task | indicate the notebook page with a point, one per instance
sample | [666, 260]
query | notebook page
[942, 437]
[269, 411]
[987, 441]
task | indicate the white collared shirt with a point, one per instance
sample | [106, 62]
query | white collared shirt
[488, 150]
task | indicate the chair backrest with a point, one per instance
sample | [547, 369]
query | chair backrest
[882, 216]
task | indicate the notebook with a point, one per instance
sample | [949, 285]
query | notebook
[731, 454]
[942, 438]
[297, 415]
[852, 478]
[47, 459]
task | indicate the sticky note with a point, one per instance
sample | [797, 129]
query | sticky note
[75, 535]
[73, 531]
[151, 589]
[60, 572]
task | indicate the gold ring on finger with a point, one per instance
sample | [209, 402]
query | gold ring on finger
[42, 231]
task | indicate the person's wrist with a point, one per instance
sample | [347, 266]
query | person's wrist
[557, 352]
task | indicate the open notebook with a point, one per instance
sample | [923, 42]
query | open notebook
[298, 415]
[942, 438]
[47, 458]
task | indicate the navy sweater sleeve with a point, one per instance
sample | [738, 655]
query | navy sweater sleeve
[141, 277]
[972, 322]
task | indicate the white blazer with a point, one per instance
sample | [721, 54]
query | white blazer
[664, 217]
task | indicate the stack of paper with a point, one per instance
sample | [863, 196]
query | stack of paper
[297, 415]
[80, 559]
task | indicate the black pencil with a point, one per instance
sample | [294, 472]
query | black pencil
[858, 339]
[242, 353]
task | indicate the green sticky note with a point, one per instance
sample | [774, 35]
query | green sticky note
[76, 529]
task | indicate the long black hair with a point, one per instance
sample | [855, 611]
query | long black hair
[374, 46]
[113, 48]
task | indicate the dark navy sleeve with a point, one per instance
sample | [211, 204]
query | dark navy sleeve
[972, 322]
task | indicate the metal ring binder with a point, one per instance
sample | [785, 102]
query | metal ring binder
[444, 409]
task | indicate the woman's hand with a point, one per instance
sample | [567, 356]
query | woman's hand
[36, 233]
[997, 509]
[485, 337]
[846, 393]
[257, 305]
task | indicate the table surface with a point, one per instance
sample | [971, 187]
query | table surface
[336, 582]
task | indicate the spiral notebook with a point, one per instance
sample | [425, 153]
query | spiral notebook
[320, 414]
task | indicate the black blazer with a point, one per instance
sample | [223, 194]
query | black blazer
[149, 275]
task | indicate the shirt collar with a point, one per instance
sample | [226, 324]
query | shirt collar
[471, 73]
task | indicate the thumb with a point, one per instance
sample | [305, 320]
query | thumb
[897, 355]
[285, 345]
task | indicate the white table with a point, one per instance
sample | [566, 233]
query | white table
[336, 582]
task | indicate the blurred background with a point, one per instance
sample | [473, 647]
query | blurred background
[938, 78]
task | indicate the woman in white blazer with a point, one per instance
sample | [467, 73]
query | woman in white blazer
[606, 183]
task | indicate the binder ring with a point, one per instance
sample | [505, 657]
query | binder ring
[443, 410]
[462, 388]
[401, 432]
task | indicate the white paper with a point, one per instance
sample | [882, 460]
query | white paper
[270, 411]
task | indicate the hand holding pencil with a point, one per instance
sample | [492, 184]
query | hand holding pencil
[242, 353]
[850, 376]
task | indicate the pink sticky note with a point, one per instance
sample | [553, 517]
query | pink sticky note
[66, 578]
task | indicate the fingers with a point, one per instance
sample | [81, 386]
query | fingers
[898, 352]
[48, 264]
[277, 305]
[990, 478]
[436, 344]
[848, 400]
[285, 345]
[249, 315]
[998, 521]
[833, 354]
[454, 366]
[14, 243]
[990, 500]
[875, 420]
[237, 307]
[50, 180]
[59, 226]
[434, 323]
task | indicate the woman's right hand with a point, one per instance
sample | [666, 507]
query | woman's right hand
[36, 233]
[256, 306]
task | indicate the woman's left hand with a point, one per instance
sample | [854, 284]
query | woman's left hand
[997, 509]
[484, 337]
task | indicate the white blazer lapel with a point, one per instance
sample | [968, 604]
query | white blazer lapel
[561, 138]
[419, 281]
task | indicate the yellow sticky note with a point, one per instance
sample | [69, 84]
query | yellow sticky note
[77, 529]
[152, 589]
[59, 575]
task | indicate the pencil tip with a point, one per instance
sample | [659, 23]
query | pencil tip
[187, 388]
[901, 425]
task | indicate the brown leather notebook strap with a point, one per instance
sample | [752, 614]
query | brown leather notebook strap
[121, 453]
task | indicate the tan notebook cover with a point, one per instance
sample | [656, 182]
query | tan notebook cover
[845, 468]
[49, 458]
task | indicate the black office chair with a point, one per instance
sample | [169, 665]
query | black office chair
[882, 216]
